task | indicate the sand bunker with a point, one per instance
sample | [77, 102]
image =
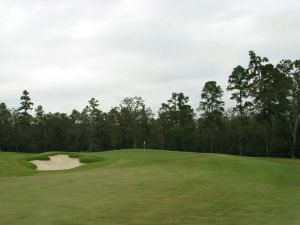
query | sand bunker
[57, 162]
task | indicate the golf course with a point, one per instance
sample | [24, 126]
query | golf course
[152, 187]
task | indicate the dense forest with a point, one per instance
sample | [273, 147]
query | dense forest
[264, 121]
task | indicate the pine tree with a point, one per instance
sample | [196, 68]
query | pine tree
[239, 83]
[212, 107]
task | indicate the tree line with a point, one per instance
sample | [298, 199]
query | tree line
[264, 121]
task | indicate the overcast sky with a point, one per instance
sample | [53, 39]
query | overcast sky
[67, 51]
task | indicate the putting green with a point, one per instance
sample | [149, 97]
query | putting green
[133, 187]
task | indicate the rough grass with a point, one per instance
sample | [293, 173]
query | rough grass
[149, 188]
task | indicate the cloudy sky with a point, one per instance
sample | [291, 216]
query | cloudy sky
[67, 51]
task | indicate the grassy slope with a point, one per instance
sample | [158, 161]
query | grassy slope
[156, 187]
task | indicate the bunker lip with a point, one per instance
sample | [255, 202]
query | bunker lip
[57, 162]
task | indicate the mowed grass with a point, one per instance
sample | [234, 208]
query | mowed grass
[151, 188]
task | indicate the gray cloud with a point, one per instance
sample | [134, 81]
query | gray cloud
[65, 52]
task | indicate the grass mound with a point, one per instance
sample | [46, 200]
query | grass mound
[153, 187]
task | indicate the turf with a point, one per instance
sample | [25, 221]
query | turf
[150, 188]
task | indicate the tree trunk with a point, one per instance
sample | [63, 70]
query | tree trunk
[270, 139]
[241, 129]
[91, 137]
[211, 141]
[295, 131]
[134, 142]
[161, 139]
[267, 137]
[90, 146]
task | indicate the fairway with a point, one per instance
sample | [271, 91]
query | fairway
[136, 187]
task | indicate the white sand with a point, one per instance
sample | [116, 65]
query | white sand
[57, 162]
